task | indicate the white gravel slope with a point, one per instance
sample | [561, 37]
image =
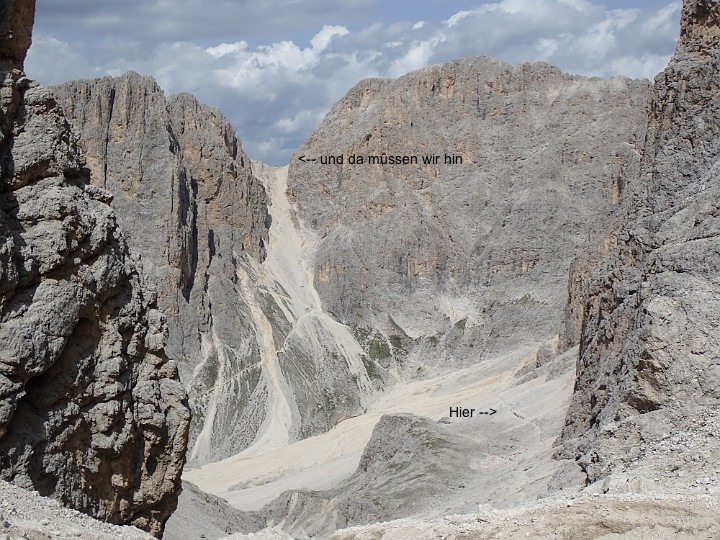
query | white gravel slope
[25, 514]
[587, 517]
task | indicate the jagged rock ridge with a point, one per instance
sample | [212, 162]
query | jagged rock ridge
[438, 269]
[184, 193]
[649, 309]
[91, 409]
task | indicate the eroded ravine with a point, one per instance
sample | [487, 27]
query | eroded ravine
[290, 328]
[275, 429]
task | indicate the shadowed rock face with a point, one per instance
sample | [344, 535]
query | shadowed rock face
[649, 345]
[246, 334]
[460, 261]
[184, 192]
[91, 410]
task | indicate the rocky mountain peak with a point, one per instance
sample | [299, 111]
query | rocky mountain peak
[472, 224]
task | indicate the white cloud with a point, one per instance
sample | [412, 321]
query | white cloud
[455, 19]
[546, 47]
[602, 38]
[522, 7]
[663, 21]
[276, 91]
[579, 36]
[300, 121]
[646, 66]
[50, 58]
[321, 40]
[255, 72]
[225, 49]
[418, 55]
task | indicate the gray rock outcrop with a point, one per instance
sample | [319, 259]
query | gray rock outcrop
[647, 310]
[200, 515]
[91, 409]
[16, 21]
[259, 358]
[409, 463]
[445, 264]
[184, 193]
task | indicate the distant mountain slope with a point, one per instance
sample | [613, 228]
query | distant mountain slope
[443, 265]
[442, 271]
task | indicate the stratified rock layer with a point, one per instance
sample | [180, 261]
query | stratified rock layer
[91, 410]
[649, 362]
[457, 262]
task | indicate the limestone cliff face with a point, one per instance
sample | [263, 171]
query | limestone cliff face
[261, 362]
[441, 264]
[91, 409]
[649, 346]
[184, 191]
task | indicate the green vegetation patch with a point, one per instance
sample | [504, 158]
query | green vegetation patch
[379, 349]
[371, 368]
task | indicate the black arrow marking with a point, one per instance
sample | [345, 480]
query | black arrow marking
[302, 158]
[490, 413]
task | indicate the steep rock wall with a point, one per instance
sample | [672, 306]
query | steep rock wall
[91, 409]
[261, 362]
[184, 191]
[649, 344]
[442, 265]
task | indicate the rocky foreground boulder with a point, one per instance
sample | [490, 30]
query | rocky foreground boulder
[91, 409]
[646, 312]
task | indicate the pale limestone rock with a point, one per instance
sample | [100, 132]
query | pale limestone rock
[184, 190]
[448, 264]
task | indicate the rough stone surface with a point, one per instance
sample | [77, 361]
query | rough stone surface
[649, 346]
[184, 192]
[16, 20]
[616, 517]
[418, 466]
[408, 461]
[91, 410]
[262, 363]
[200, 515]
[27, 515]
[545, 159]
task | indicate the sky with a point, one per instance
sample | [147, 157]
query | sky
[276, 67]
